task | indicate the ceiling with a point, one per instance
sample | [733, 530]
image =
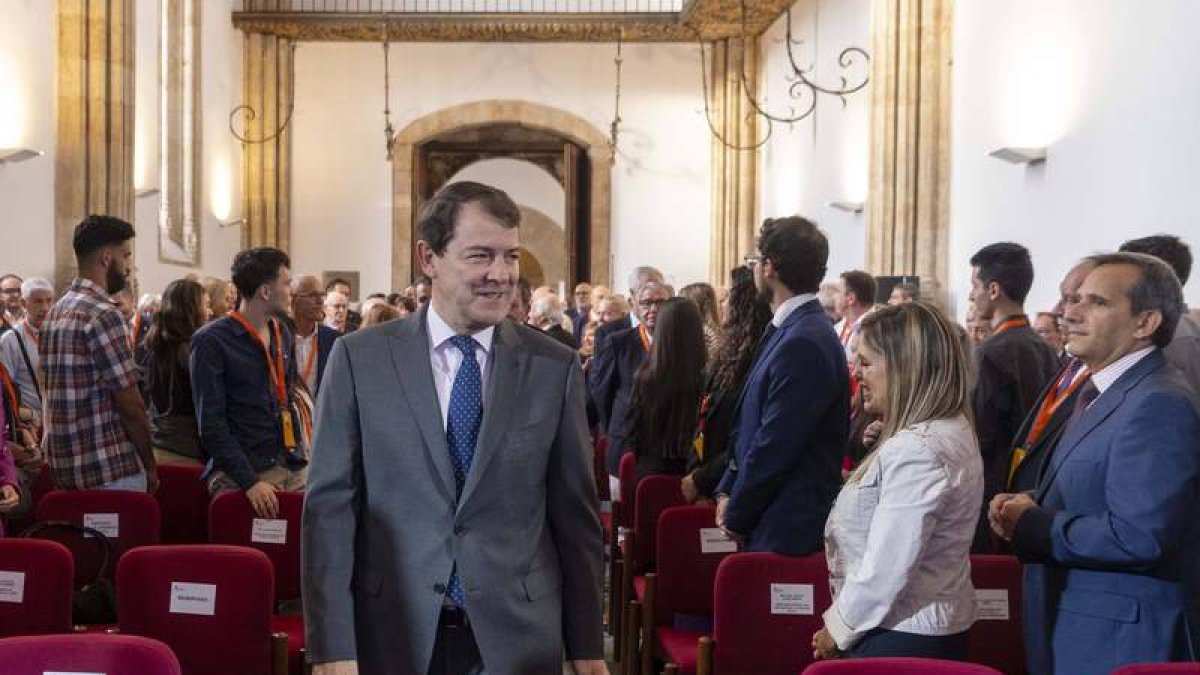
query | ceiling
[507, 20]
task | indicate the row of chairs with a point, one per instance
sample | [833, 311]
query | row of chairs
[683, 597]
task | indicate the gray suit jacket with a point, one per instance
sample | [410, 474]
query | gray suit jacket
[382, 529]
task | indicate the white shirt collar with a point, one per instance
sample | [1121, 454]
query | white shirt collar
[793, 303]
[440, 331]
[1105, 377]
[633, 320]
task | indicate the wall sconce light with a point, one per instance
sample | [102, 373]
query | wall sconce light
[1029, 155]
[231, 222]
[14, 155]
[848, 207]
[145, 192]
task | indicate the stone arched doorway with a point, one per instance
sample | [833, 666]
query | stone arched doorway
[405, 197]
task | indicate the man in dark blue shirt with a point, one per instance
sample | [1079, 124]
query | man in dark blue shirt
[243, 372]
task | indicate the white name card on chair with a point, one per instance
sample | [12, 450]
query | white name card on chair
[107, 524]
[269, 531]
[991, 604]
[792, 599]
[12, 587]
[714, 540]
[199, 599]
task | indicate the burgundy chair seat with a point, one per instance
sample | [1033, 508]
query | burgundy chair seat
[46, 603]
[679, 647]
[87, 653]
[897, 666]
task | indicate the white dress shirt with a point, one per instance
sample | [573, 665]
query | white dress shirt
[899, 536]
[793, 303]
[446, 358]
[1106, 376]
[304, 347]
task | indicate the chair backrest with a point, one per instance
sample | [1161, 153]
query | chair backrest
[599, 462]
[655, 494]
[232, 521]
[87, 653]
[35, 587]
[129, 519]
[183, 500]
[627, 477]
[211, 604]
[766, 608]
[996, 638]
[690, 549]
[1159, 669]
[897, 666]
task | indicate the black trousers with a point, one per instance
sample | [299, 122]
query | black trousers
[455, 651]
[881, 642]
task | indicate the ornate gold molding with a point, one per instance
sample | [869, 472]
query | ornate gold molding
[710, 19]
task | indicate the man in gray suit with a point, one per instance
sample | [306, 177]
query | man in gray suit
[451, 524]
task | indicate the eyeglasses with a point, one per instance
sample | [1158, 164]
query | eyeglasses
[650, 304]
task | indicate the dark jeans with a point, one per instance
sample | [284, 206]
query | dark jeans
[455, 651]
[890, 643]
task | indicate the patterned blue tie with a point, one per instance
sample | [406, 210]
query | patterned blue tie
[462, 430]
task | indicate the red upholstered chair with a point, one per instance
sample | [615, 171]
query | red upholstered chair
[35, 587]
[748, 636]
[654, 494]
[1159, 669]
[622, 510]
[211, 604]
[42, 485]
[996, 639]
[681, 588]
[87, 653]
[183, 501]
[897, 667]
[137, 524]
[231, 521]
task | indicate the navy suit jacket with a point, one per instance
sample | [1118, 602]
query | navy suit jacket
[1111, 551]
[610, 379]
[326, 336]
[789, 438]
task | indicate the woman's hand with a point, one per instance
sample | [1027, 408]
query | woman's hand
[871, 434]
[687, 485]
[823, 646]
[9, 497]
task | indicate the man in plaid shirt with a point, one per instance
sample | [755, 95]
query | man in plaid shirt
[97, 429]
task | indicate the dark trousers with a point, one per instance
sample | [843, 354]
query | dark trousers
[890, 643]
[455, 651]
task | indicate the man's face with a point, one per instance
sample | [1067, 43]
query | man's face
[308, 301]
[37, 306]
[11, 288]
[842, 302]
[118, 265]
[1101, 325]
[336, 308]
[475, 277]
[981, 296]
[1070, 286]
[279, 292]
[583, 297]
[650, 299]
[1046, 326]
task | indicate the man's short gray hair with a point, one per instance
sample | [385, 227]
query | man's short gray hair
[35, 284]
[1158, 290]
[546, 310]
[640, 276]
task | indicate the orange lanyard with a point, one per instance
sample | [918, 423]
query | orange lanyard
[10, 392]
[137, 327]
[312, 358]
[1052, 402]
[33, 337]
[274, 366]
[645, 335]
[1015, 322]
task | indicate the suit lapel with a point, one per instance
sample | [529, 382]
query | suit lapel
[1091, 418]
[503, 396]
[410, 356]
[766, 352]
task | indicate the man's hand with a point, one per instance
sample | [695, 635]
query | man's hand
[1009, 512]
[823, 646]
[9, 497]
[262, 498]
[688, 487]
[596, 667]
[722, 502]
[994, 507]
[336, 667]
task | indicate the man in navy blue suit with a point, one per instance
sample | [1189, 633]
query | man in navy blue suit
[1110, 537]
[793, 417]
[308, 315]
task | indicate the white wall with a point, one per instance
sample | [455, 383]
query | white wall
[341, 183]
[27, 45]
[823, 158]
[1111, 87]
[527, 183]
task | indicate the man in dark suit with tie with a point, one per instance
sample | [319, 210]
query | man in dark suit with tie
[793, 418]
[1110, 538]
[451, 524]
[640, 276]
[1039, 433]
[613, 370]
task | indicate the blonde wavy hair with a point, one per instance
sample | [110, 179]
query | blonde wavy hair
[928, 373]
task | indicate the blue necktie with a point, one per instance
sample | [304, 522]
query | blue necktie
[462, 430]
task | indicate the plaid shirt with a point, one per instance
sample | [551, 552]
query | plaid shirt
[86, 359]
